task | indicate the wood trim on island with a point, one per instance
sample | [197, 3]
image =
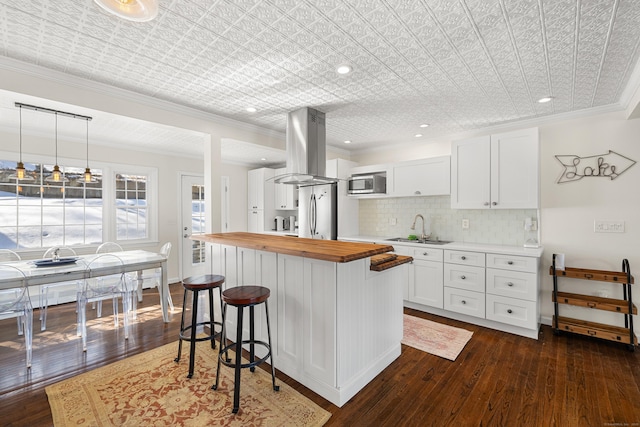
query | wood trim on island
[325, 250]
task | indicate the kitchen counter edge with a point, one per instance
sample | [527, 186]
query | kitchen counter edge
[456, 246]
[325, 250]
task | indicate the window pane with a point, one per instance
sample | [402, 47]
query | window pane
[74, 235]
[29, 215]
[74, 215]
[29, 237]
[8, 237]
[131, 221]
[93, 234]
[47, 214]
[52, 236]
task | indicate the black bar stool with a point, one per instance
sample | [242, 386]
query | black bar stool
[196, 284]
[241, 297]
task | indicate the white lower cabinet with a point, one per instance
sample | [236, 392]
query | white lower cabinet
[425, 277]
[495, 290]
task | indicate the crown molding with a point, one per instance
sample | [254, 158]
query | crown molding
[44, 73]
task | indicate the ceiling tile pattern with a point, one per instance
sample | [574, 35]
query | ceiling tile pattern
[458, 65]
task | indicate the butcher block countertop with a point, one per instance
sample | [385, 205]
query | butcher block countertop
[325, 250]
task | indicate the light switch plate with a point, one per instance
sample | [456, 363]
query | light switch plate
[465, 224]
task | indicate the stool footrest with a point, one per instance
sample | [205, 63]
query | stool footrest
[224, 350]
[187, 336]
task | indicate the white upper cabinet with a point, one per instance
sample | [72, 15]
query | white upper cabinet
[286, 195]
[424, 177]
[500, 171]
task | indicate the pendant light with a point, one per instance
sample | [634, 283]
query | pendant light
[131, 10]
[88, 178]
[56, 174]
[21, 174]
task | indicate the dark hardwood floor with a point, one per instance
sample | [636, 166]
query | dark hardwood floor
[499, 379]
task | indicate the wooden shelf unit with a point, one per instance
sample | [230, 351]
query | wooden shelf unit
[623, 306]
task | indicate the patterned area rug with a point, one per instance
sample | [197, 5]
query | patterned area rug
[150, 389]
[435, 338]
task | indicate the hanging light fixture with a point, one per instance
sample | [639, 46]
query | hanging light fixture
[21, 173]
[56, 174]
[131, 10]
[88, 178]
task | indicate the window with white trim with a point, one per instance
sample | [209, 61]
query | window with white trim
[119, 206]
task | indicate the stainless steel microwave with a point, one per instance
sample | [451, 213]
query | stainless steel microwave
[367, 184]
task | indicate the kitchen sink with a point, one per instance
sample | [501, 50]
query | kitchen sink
[424, 241]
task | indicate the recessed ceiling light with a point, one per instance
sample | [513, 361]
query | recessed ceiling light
[545, 99]
[347, 141]
[343, 69]
[418, 135]
[424, 125]
[251, 109]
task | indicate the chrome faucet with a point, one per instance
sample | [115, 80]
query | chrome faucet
[413, 226]
[56, 255]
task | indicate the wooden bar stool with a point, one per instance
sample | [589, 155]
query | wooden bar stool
[241, 297]
[195, 284]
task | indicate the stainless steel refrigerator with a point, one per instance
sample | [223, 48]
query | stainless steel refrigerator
[318, 211]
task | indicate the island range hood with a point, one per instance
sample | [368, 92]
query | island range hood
[306, 149]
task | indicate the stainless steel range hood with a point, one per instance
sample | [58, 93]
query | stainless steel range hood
[306, 149]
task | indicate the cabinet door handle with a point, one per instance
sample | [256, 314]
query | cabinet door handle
[509, 283]
[486, 203]
[463, 257]
[425, 253]
[463, 277]
[417, 192]
[509, 311]
[494, 203]
[463, 302]
[510, 262]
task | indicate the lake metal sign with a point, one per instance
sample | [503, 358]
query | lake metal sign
[610, 165]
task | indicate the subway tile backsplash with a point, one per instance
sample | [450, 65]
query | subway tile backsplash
[495, 226]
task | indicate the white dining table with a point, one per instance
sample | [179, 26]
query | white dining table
[132, 261]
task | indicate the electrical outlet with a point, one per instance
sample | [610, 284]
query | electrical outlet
[608, 226]
[465, 224]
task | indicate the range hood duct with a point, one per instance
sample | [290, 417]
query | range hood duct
[306, 149]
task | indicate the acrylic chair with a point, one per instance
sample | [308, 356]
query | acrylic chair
[70, 288]
[155, 277]
[7, 255]
[113, 286]
[105, 248]
[15, 302]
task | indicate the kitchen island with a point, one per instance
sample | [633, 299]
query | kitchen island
[336, 315]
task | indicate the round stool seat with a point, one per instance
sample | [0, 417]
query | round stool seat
[246, 295]
[203, 282]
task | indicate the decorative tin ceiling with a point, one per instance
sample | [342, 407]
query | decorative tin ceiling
[456, 65]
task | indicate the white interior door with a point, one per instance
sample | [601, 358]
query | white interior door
[193, 222]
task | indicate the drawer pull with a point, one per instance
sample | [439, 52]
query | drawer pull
[591, 304]
[509, 311]
[463, 257]
[425, 253]
[463, 302]
[592, 333]
[509, 284]
[463, 277]
[510, 262]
